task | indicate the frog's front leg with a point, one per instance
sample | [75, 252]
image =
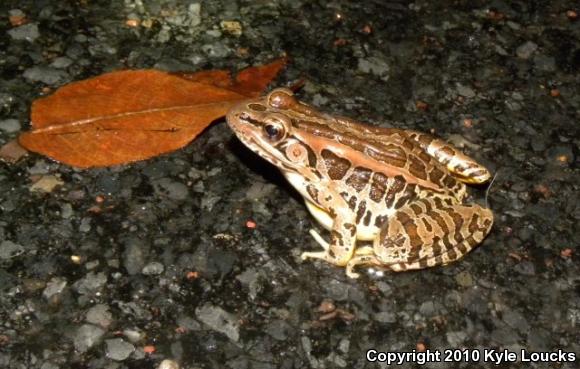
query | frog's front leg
[342, 236]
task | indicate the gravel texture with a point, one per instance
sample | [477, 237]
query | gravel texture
[154, 264]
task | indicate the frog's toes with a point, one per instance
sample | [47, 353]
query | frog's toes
[318, 238]
[351, 274]
[314, 255]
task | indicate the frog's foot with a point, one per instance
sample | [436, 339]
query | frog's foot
[357, 260]
[361, 259]
[314, 255]
[365, 250]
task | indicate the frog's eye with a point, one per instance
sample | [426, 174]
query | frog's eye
[281, 98]
[273, 131]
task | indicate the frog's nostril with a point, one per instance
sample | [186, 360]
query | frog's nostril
[247, 118]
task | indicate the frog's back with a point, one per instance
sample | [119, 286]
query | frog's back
[362, 155]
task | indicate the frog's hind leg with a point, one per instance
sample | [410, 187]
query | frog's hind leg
[460, 165]
[427, 233]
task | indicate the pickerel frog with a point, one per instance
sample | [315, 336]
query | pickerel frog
[402, 190]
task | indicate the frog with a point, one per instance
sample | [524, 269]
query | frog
[391, 198]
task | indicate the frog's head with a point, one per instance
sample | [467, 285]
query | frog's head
[267, 126]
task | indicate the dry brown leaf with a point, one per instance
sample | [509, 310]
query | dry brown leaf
[249, 82]
[125, 116]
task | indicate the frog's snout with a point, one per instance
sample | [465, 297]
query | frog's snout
[234, 115]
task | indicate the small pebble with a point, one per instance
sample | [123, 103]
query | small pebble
[27, 32]
[188, 323]
[118, 349]
[172, 189]
[465, 91]
[219, 320]
[10, 125]
[54, 287]
[376, 66]
[85, 225]
[168, 364]
[278, 329]
[46, 184]
[456, 339]
[11, 152]
[66, 211]
[153, 268]
[427, 308]
[87, 336]
[133, 335]
[385, 317]
[194, 13]
[526, 50]
[525, 268]
[233, 28]
[134, 257]
[91, 283]
[17, 17]
[100, 315]
[464, 279]
[9, 250]
[216, 50]
[46, 75]
[61, 62]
